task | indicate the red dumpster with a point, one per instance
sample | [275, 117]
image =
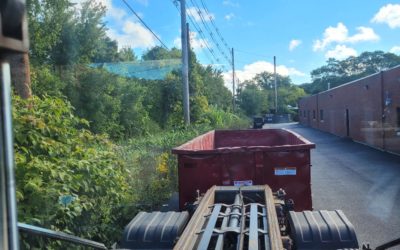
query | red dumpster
[279, 158]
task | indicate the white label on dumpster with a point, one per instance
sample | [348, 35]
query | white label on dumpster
[243, 183]
[285, 171]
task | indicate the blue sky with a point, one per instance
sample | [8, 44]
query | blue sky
[301, 34]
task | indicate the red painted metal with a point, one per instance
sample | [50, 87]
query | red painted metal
[277, 157]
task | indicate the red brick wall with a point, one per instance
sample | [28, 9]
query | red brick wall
[307, 106]
[391, 91]
[364, 100]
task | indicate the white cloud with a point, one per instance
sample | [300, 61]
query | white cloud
[196, 14]
[331, 34]
[116, 13]
[341, 52]
[293, 44]
[364, 34]
[112, 11]
[195, 42]
[294, 72]
[133, 35]
[229, 16]
[395, 50]
[389, 14]
[230, 3]
[126, 30]
[251, 70]
[340, 34]
[178, 42]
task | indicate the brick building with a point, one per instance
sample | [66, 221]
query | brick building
[366, 110]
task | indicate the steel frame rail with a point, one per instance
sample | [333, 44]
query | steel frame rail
[47, 233]
[202, 227]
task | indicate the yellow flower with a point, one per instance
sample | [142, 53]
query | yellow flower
[162, 163]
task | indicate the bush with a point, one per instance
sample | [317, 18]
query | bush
[219, 119]
[68, 179]
[152, 165]
[45, 82]
[153, 168]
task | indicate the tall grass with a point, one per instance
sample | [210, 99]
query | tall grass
[152, 167]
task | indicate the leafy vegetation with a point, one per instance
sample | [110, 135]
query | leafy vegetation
[154, 175]
[93, 148]
[336, 72]
[68, 178]
[72, 180]
[257, 96]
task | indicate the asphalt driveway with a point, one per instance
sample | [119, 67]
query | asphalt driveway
[362, 181]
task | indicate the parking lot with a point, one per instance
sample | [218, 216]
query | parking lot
[361, 181]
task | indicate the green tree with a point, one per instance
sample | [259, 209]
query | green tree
[163, 99]
[337, 72]
[266, 80]
[252, 99]
[214, 88]
[133, 116]
[126, 55]
[46, 19]
[66, 51]
[263, 84]
[107, 51]
[160, 53]
[91, 31]
[46, 83]
[288, 98]
[96, 97]
[62, 34]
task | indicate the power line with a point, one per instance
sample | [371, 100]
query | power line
[215, 26]
[205, 44]
[201, 33]
[204, 22]
[141, 20]
[217, 31]
[198, 31]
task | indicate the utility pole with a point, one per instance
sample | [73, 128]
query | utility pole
[185, 64]
[276, 91]
[233, 80]
[188, 43]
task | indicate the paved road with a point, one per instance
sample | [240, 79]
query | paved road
[361, 181]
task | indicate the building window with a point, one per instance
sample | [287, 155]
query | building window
[321, 114]
[313, 114]
[398, 118]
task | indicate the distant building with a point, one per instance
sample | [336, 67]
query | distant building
[366, 110]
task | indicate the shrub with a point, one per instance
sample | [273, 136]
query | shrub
[68, 179]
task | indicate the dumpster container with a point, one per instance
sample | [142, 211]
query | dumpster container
[279, 158]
